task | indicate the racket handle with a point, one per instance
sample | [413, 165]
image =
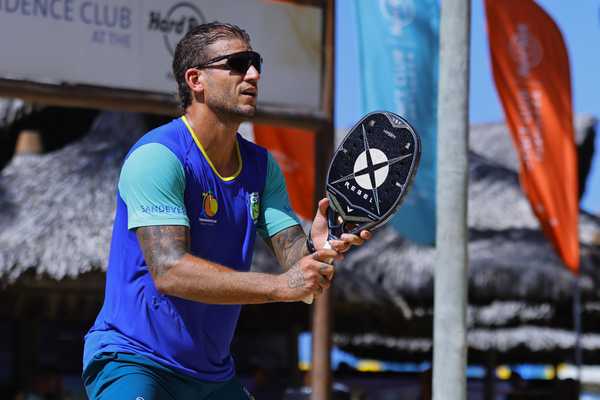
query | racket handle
[310, 298]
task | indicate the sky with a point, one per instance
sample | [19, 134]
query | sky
[579, 21]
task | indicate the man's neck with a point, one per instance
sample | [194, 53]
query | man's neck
[218, 138]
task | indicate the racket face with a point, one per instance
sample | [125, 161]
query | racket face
[371, 172]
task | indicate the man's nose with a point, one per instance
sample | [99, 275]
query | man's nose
[252, 73]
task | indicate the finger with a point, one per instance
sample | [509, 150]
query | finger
[316, 266]
[323, 205]
[352, 239]
[325, 255]
[366, 235]
[329, 259]
[324, 282]
[339, 245]
[326, 270]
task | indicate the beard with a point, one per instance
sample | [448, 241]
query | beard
[226, 107]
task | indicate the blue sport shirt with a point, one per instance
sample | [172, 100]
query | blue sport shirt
[167, 179]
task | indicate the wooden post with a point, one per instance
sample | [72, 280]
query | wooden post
[321, 330]
[29, 142]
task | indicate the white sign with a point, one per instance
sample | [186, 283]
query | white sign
[129, 44]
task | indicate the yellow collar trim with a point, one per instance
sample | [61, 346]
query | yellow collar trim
[237, 150]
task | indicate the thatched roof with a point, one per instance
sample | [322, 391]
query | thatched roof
[58, 210]
[532, 343]
[13, 109]
[516, 331]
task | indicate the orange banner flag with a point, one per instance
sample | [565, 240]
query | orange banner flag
[294, 151]
[531, 69]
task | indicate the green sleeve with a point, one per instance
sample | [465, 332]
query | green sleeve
[275, 212]
[152, 184]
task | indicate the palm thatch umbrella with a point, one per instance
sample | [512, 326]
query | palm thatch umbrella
[57, 208]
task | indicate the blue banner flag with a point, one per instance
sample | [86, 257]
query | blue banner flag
[398, 47]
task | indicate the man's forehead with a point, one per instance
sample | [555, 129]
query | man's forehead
[226, 46]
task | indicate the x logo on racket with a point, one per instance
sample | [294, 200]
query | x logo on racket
[371, 169]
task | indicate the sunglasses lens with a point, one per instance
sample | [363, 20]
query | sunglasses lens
[241, 62]
[256, 61]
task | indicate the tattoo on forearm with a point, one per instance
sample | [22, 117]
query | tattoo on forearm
[163, 246]
[296, 278]
[289, 246]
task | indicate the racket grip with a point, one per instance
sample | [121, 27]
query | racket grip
[309, 299]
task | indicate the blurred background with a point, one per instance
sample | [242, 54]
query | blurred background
[81, 81]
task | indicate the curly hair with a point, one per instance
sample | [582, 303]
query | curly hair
[191, 51]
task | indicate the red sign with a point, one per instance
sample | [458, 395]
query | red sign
[294, 151]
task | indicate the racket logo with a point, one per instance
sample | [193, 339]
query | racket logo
[371, 169]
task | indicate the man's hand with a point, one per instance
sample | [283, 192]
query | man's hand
[307, 277]
[320, 231]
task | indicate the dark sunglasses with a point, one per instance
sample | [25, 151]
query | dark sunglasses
[236, 62]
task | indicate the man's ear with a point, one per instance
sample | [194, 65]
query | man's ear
[193, 78]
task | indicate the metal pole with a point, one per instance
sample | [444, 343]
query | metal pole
[450, 344]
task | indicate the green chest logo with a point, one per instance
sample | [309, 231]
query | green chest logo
[254, 203]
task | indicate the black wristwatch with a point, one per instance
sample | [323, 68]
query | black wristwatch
[310, 245]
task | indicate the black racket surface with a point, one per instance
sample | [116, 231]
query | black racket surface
[371, 172]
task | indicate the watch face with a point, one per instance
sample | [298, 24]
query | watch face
[372, 169]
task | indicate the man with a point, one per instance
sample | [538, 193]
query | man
[191, 196]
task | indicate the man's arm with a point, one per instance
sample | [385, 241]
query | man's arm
[178, 273]
[289, 246]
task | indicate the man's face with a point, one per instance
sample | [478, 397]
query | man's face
[227, 91]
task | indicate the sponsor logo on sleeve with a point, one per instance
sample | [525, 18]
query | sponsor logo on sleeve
[162, 209]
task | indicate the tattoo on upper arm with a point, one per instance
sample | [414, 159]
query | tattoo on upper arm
[289, 246]
[163, 245]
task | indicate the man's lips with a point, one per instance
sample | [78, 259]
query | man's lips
[250, 92]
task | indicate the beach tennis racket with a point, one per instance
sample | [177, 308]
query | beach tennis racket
[370, 174]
